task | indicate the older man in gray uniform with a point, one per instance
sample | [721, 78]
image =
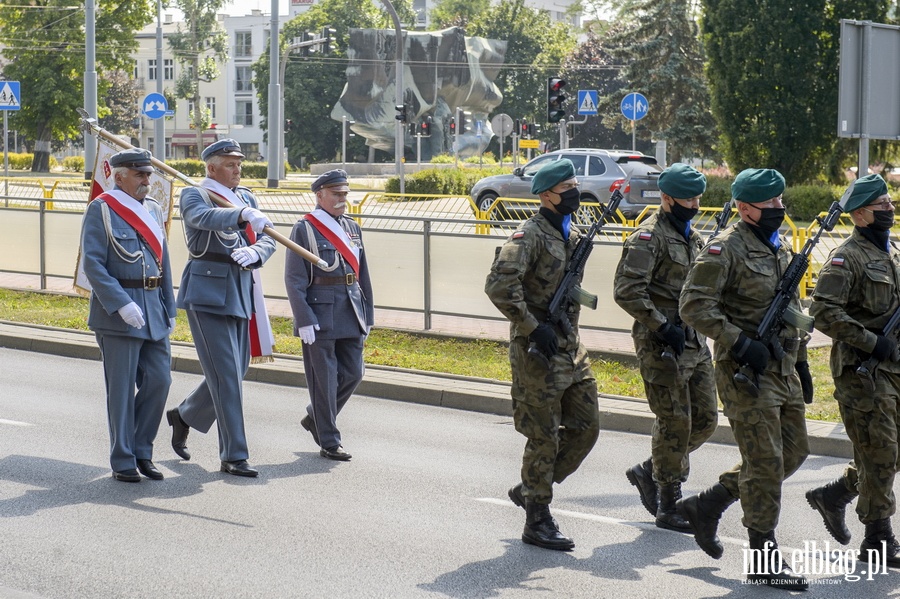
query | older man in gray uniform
[225, 245]
[333, 308]
[126, 260]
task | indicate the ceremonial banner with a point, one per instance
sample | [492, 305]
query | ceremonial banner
[161, 190]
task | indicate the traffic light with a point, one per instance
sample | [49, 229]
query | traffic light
[412, 129]
[452, 126]
[462, 122]
[555, 99]
[327, 38]
[531, 130]
[425, 127]
[288, 125]
[524, 131]
[401, 113]
[518, 127]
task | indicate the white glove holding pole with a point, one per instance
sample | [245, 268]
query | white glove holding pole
[308, 333]
[258, 221]
[245, 256]
[132, 314]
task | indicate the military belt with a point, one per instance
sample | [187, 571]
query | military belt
[216, 257]
[149, 283]
[347, 279]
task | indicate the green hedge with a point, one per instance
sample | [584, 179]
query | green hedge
[21, 161]
[73, 163]
[442, 181]
[197, 168]
[802, 202]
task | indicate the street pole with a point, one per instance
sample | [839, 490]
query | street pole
[344, 142]
[275, 125]
[90, 83]
[398, 97]
[159, 126]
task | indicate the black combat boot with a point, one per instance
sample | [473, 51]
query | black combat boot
[880, 540]
[541, 529]
[641, 476]
[767, 565]
[667, 515]
[831, 501]
[703, 512]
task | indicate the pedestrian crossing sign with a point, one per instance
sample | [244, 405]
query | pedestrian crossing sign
[587, 101]
[9, 95]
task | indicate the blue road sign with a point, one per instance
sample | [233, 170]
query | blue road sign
[154, 106]
[10, 98]
[587, 101]
[634, 106]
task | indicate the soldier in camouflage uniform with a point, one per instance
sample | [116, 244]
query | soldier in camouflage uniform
[555, 408]
[857, 292]
[675, 362]
[725, 296]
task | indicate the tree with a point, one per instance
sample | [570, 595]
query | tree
[659, 47]
[535, 50]
[773, 80]
[313, 83]
[44, 50]
[456, 13]
[198, 47]
[120, 104]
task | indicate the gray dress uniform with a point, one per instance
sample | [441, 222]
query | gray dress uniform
[121, 269]
[341, 305]
[217, 294]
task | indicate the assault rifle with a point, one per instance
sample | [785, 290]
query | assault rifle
[866, 370]
[722, 218]
[569, 288]
[780, 312]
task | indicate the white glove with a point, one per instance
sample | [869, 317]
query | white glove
[132, 314]
[245, 256]
[258, 221]
[308, 333]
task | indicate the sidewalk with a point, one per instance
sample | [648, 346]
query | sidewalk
[618, 413]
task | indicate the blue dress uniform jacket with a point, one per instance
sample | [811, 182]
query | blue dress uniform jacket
[344, 314]
[217, 294]
[131, 357]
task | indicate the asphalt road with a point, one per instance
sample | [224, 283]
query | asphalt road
[421, 511]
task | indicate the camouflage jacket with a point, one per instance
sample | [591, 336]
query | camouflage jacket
[655, 262]
[526, 273]
[857, 292]
[729, 289]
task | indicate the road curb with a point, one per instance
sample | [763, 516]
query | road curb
[623, 414]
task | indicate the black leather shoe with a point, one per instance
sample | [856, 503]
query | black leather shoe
[239, 468]
[127, 476]
[335, 453]
[147, 468]
[309, 424]
[180, 432]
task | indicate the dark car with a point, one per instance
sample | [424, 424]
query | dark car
[599, 173]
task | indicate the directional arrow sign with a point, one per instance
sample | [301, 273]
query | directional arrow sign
[634, 106]
[154, 106]
[9, 95]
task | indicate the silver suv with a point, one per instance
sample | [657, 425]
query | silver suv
[599, 173]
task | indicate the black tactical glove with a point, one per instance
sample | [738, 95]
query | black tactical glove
[544, 338]
[750, 352]
[885, 349]
[673, 336]
[806, 383]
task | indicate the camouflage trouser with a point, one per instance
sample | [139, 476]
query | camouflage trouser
[770, 432]
[686, 416]
[557, 411]
[873, 427]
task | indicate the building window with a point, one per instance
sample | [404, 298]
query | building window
[168, 69]
[151, 69]
[243, 79]
[243, 114]
[190, 109]
[243, 47]
[211, 106]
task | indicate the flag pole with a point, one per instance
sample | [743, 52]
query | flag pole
[90, 125]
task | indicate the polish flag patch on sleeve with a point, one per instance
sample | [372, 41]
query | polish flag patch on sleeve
[645, 236]
[518, 235]
[837, 261]
[715, 250]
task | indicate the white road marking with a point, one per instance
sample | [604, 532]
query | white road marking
[15, 422]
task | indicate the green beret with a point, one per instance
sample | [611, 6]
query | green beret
[551, 174]
[682, 181]
[755, 185]
[865, 191]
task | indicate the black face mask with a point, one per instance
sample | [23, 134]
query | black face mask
[884, 220]
[570, 200]
[769, 220]
[683, 214]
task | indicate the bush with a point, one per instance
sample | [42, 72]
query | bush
[718, 191]
[443, 159]
[486, 158]
[190, 167]
[21, 160]
[256, 170]
[73, 163]
[443, 181]
[804, 202]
